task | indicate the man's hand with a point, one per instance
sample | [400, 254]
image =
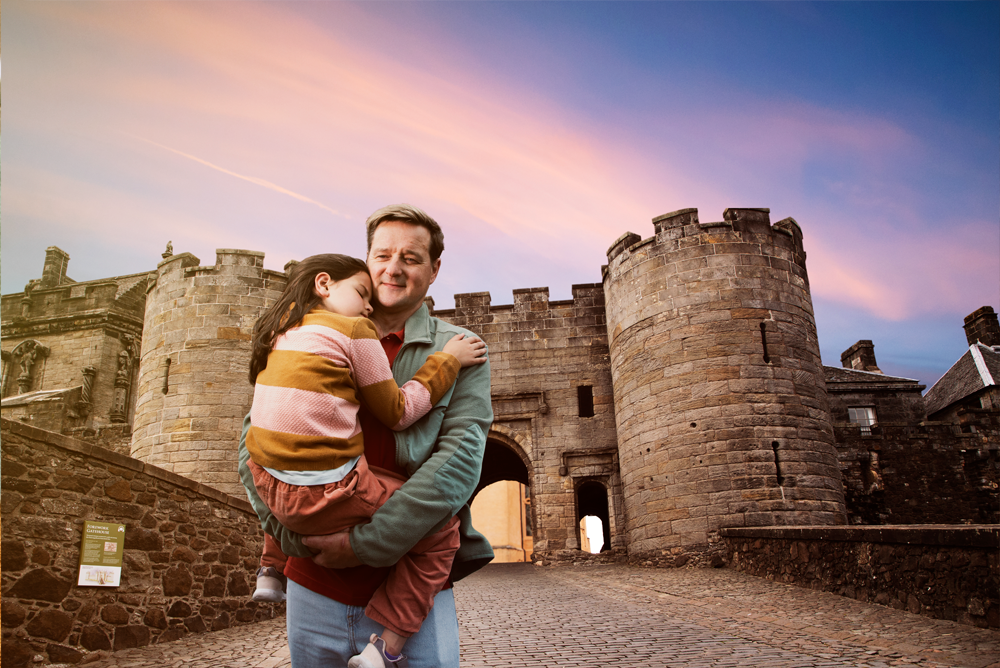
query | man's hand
[333, 550]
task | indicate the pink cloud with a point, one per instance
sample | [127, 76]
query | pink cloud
[264, 94]
[899, 276]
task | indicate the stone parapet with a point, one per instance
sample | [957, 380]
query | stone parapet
[942, 571]
[189, 556]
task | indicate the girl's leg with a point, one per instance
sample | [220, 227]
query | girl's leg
[405, 599]
[272, 556]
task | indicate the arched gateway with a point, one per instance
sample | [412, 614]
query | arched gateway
[501, 504]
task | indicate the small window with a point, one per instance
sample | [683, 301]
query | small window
[585, 400]
[864, 417]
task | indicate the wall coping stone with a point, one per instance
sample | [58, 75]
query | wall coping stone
[103, 454]
[952, 535]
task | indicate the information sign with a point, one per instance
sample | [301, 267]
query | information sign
[101, 553]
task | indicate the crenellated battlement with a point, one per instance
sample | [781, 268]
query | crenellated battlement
[228, 262]
[739, 225]
[526, 300]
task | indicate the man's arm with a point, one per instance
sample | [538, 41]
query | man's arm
[291, 542]
[442, 485]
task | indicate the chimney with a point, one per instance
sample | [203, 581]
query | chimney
[860, 356]
[54, 271]
[981, 325]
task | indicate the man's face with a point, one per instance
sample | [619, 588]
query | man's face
[401, 266]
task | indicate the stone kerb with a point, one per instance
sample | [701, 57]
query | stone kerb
[720, 400]
[193, 385]
[190, 552]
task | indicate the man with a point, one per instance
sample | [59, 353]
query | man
[440, 457]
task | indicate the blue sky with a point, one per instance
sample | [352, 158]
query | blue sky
[536, 133]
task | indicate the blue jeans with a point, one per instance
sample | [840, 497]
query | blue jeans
[323, 633]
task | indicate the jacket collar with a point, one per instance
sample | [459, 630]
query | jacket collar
[418, 327]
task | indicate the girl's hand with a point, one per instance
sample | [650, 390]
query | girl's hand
[468, 350]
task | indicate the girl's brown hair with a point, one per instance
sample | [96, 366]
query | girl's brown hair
[296, 301]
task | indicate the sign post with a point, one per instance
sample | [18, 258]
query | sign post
[101, 553]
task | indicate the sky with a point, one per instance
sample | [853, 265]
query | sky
[536, 133]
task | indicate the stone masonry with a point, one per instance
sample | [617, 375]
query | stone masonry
[80, 338]
[946, 572]
[683, 395]
[193, 385]
[721, 407]
[190, 551]
[548, 360]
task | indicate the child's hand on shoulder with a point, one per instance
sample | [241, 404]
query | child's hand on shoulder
[468, 350]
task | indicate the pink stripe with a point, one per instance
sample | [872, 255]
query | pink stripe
[303, 413]
[318, 340]
[370, 363]
[418, 404]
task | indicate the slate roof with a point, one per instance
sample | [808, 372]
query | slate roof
[977, 369]
[844, 378]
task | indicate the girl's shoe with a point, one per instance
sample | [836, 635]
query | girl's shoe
[374, 656]
[270, 585]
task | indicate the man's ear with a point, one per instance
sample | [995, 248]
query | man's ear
[437, 266]
[322, 283]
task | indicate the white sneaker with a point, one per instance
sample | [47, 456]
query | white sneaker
[270, 585]
[374, 656]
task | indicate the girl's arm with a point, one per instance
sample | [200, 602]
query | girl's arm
[397, 407]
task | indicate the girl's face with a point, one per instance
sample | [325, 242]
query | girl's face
[350, 297]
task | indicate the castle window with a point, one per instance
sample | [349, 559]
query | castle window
[585, 400]
[863, 416]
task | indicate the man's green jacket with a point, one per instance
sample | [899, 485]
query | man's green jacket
[442, 453]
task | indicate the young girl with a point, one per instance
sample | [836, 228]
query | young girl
[315, 356]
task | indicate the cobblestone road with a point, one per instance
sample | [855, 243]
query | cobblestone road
[520, 615]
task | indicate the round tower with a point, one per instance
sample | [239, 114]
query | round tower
[193, 387]
[720, 399]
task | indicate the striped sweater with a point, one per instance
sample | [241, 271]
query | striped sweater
[305, 404]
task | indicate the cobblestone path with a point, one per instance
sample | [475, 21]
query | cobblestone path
[520, 615]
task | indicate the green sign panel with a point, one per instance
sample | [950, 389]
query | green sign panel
[101, 553]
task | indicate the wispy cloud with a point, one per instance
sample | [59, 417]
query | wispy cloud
[252, 179]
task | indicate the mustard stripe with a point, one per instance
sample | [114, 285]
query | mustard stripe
[438, 374]
[289, 452]
[352, 327]
[385, 401]
[304, 371]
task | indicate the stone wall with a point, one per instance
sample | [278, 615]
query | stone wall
[945, 572]
[193, 388]
[189, 562]
[931, 473]
[722, 411]
[546, 359]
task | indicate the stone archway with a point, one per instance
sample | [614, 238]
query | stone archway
[504, 513]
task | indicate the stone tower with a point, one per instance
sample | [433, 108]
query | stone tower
[193, 387]
[720, 400]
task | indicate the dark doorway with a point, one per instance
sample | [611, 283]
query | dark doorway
[592, 499]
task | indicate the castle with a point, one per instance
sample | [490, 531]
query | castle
[682, 395]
